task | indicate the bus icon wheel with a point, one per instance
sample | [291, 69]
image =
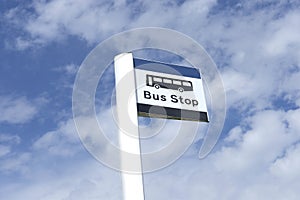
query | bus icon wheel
[156, 86]
[180, 89]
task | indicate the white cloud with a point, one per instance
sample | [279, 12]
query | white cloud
[89, 19]
[286, 36]
[16, 110]
[11, 160]
[4, 149]
[17, 163]
[258, 52]
[258, 47]
[259, 56]
[287, 167]
[290, 87]
[94, 20]
[262, 163]
[259, 146]
[62, 142]
[70, 69]
[84, 180]
[7, 141]
[254, 155]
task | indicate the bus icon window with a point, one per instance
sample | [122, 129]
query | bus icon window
[187, 84]
[175, 82]
[168, 83]
[156, 79]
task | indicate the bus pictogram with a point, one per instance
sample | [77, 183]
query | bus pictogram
[168, 83]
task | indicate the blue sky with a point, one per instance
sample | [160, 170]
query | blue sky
[256, 46]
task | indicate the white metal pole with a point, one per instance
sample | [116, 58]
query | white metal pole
[126, 102]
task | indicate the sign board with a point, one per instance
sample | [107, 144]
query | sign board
[169, 91]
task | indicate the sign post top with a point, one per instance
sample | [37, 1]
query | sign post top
[166, 68]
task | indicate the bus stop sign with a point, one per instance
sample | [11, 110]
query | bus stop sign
[169, 91]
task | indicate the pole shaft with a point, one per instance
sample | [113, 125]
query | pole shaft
[126, 102]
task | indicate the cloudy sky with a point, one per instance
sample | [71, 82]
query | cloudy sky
[256, 46]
